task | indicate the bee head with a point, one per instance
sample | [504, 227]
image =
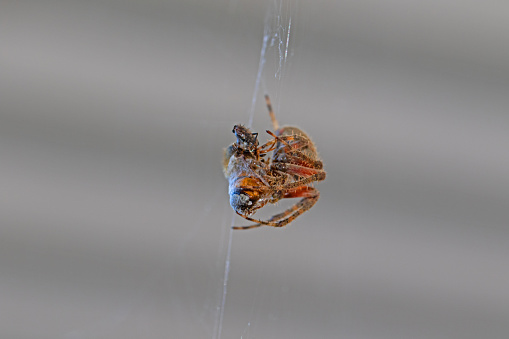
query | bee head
[244, 201]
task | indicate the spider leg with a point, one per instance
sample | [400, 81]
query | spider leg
[309, 174]
[310, 196]
[281, 139]
[271, 146]
[271, 113]
[298, 158]
[299, 141]
[259, 223]
[294, 149]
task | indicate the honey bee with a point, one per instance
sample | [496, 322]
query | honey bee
[256, 179]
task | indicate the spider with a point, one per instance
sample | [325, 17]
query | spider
[255, 180]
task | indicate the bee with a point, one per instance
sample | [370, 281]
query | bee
[256, 179]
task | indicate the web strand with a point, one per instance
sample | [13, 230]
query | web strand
[218, 328]
[273, 30]
[266, 35]
[220, 312]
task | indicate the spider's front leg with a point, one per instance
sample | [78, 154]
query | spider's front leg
[309, 197]
[267, 147]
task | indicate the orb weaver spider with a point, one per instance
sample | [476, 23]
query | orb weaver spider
[254, 180]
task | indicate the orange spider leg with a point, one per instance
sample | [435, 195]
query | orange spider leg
[310, 174]
[281, 139]
[272, 147]
[301, 192]
[273, 143]
[301, 160]
[300, 142]
[310, 196]
[271, 113]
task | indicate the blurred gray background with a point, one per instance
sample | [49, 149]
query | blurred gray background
[114, 209]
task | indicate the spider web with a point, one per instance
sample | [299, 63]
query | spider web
[276, 44]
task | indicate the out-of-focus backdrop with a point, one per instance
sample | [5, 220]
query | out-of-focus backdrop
[114, 214]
